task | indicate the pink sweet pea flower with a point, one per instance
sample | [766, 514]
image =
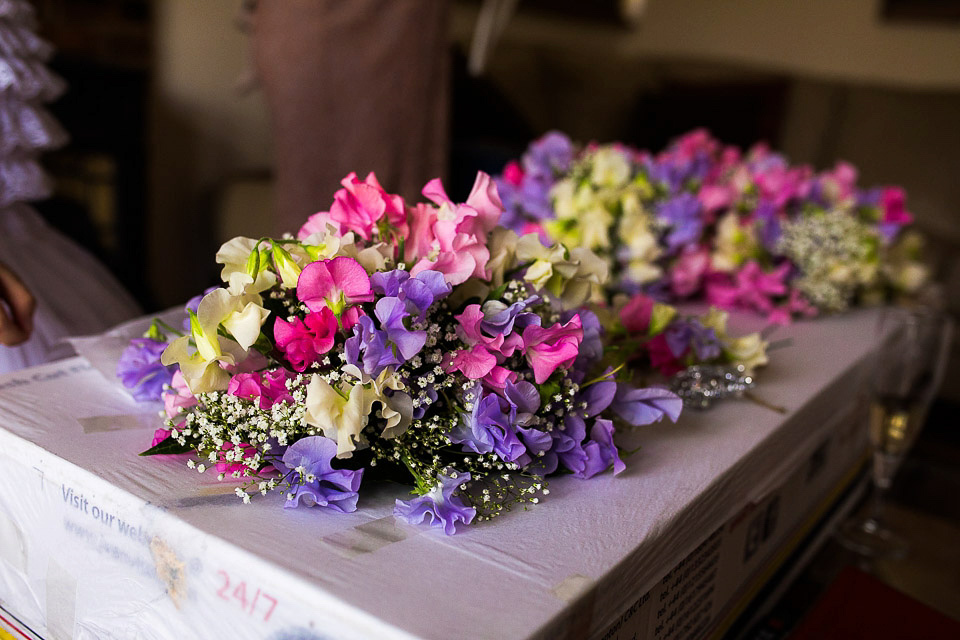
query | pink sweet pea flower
[753, 288]
[548, 349]
[514, 173]
[304, 341]
[474, 363]
[661, 356]
[781, 184]
[838, 185]
[318, 223]
[230, 468]
[687, 274]
[452, 239]
[713, 198]
[893, 201]
[335, 284]
[635, 315]
[178, 397]
[268, 387]
[360, 205]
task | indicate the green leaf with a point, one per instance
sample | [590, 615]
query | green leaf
[661, 316]
[168, 446]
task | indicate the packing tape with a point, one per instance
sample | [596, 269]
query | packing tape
[366, 538]
[61, 602]
[101, 424]
[579, 591]
[13, 547]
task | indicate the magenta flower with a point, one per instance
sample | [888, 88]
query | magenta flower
[336, 284]
[635, 315]
[304, 341]
[268, 387]
[359, 206]
[752, 288]
[553, 347]
[893, 201]
[318, 223]
[688, 271]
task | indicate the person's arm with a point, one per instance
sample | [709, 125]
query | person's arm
[17, 305]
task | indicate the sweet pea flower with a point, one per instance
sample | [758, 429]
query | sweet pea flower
[203, 366]
[177, 398]
[487, 428]
[304, 341]
[235, 256]
[319, 226]
[316, 482]
[683, 214]
[601, 452]
[391, 312]
[452, 238]
[440, 505]
[553, 347]
[367, 349]
[140, 370]
[336, 284]
[686, 274]
[267, 388]
[360, 206]
[895, 214]
[340, 413]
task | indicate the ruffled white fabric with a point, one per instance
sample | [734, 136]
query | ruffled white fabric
[17, 41]
[76, 295]
[18, 11]
[21, 180]
[29, 79]
[26, 126]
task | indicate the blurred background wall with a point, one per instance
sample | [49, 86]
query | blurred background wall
[172, 142]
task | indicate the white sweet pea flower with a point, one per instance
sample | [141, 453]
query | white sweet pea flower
[611, 168]
[749, 350]
[503, 250]
[341, 413]
[588, 280]
[202, 364]
[544, 259]
[235, 256]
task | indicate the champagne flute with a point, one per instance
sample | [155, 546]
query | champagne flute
[907, 370]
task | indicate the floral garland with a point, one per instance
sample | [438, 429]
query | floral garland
[703, 220]
[416, 343]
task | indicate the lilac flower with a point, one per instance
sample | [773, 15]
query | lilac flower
[140, 370]
[601, 451]
[551, 155]
[681, 334]
[682, 213]
[769, 223]
[321, 485]
[499, 319]
[423, 290]
[597, 397]
[418, 292]
[391, 312]
[523, 400]
[368, 349]
[591, 347]
[646, 406]
[487, 428]
[566, 448]
[440, 505]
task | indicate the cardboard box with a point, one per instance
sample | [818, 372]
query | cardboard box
[96, 542]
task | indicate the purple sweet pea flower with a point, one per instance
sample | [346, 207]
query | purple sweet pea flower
[499, 319]
[523, 400]
[141, 371]
[423, 290]
[566, 448]
[597, 397]
[680, 335]
[487, 428]
[368, 349]
[601, 451]
[391, 312]
[440, 505]
[682, 213]
[550, 155]
[387, 283]
[646, 406]
[769, 223]
[321, 485]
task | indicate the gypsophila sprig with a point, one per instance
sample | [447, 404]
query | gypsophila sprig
[389, 340]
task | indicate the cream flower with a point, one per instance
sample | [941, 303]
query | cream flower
[341, 413]
[236, 256]
[611, 168]
[503, 251]
[749, 350]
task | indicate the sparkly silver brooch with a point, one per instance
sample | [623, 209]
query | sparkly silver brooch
[701, 385]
